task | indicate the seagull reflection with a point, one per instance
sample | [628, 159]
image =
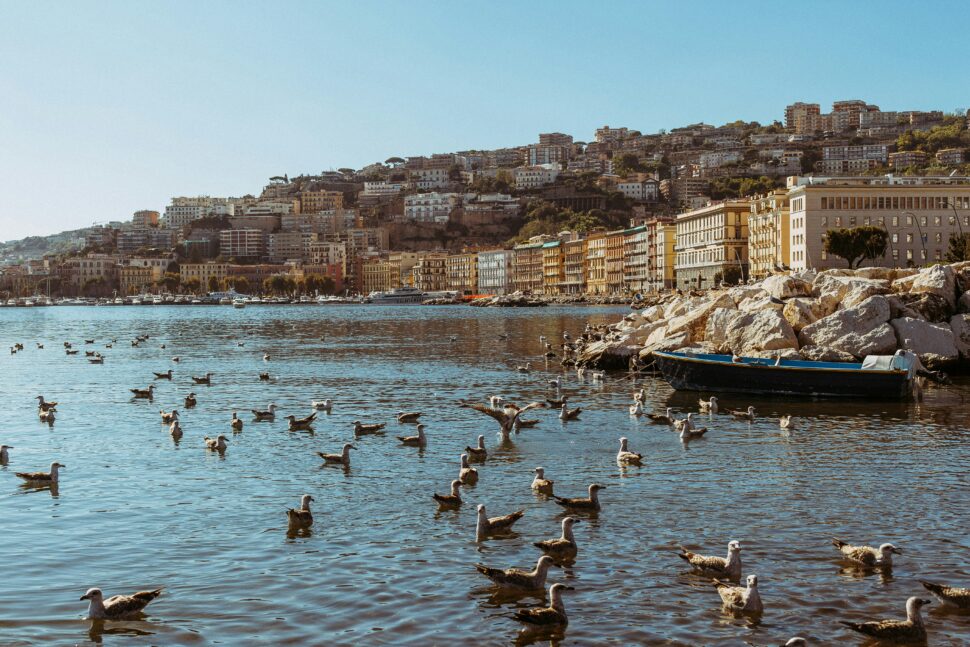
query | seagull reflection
[97, 630]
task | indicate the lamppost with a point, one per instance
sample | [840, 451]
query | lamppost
[922, 239]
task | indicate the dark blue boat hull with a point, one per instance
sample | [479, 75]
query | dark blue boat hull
[762, 377]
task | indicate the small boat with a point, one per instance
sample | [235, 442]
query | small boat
[239, 303]
[878, 377]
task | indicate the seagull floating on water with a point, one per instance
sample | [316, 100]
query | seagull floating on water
[190, 401]
[267, 414]
[175, 430]
[264, 377]
[404, 417]
[708, 406]
[540, 483]
[467, 474]
[415, 441]
[48, 416]
[743, 414]
[516, 578]
[343, 458]
[205, 379]
[477, 453]
[168, 417]
[785, 422]
[300, 517]
[949, 595]
[43, 405]
[721, 567]
[508, 418]
[556, 383]
[118, 607]
[553, 615]
[486, 526]
[591, 502]
[4, 456]
[301, 423]
[909, 630]
[322, 405]
[361, 429]
[566, 414]
[689, 433]
[524, 368]
[49, 478]
[666, 418]
[625, 456]
[237, 423]
[868, 555]
[563, 547]
[739, 598]
[167, 375]
[687, 423]
[217, 444]
[145, 394]
[636, 409]
[452, 500]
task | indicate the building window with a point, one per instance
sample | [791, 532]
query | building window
[895, 254]
[895, 238]
[909, 254]
[895, 221]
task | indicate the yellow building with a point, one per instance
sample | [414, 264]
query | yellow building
[614, 262]
[404, 262]
[596, 263]
[712, 244]
[133, 279]
[527, 266]
[661, 238]
[553, 270]
[380, 276]
[462, 272]
[203, 272]
[314, 201]
[769, 234]
[574, 267]
[431, 272]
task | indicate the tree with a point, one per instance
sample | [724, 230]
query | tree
[626, 164]
[193, 285]
[241, 284]
[170, 281]
[213, 284]
[959, 248]
[732, 275]
[856, 244]
[394, 160]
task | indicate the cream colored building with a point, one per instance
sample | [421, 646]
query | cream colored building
[380, 276]
[596, 263]
[574, 267]
[635, 257]
[614, 262]
[663, 257]
[404, 262]
[314, 201]
[462, 272]
[709, 241]
[769, 234]
[203, 272]
[431, 272]
[553, 267]
[527, 266]
[919, 214]
[134, 279]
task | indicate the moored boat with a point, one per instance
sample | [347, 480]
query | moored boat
[878, 377]
[398, 296]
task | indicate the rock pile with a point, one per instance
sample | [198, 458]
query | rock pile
[835, 315]
[514, 300]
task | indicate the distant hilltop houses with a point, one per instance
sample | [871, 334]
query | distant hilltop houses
[622, 214]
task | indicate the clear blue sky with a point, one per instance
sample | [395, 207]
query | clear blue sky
[110, 107]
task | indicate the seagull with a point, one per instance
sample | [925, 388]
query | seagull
[322, 405]
[556, 383]
[4, 456]
[217, 444]
[237, 423]
[71, 352]
[48, 416]
[687, 423]
[729, 567]
[640, 396]
[169, 417]
[785, 422]
[176, 359]
[265, 357]
[477, 453]
[415, 441]
[205, 379]
[797, 641]
[689, 433]
[413, 416]
[542, 339]
[565, 336]
[867, 555]
[452, 500]
[146, 394]
[264, 377]
[949, 595]
[467, 475]
[553, 615]
[496, 525]
[909, 630]
[591, 502]
[507, 418]
[666, 418]
[190, 401]
[175, 430]
[118, 607]
[625, 456]
[708, 406]
[597, 376]
[268, 414]
[496, 401]
[167, 375]
[524, 368]
[743, 415]
[636, 409]
[301, 423]
[566, 414]
[361, 429]
[558, 402]
[563, 547]
[302, 517]
[738, 598]
[49, 478]
[516, 578]
[343, 458]
[540, 483]
[43, 405]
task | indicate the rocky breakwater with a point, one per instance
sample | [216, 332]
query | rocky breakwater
[835, 315]
[514, 300]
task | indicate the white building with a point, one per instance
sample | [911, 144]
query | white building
[183, 211]
[532, 177]
[641, 190]
[328, 253]
[430, 207]
[382, 188]
[430, 178]
[714, 159]
[242, 243]
[270, 208]
[495, 271]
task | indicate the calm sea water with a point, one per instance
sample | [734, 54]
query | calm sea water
[382, 565]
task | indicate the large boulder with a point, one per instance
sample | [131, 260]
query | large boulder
[607, 354]
[757, 304]
[899, 309]
[695, 320]
[766, 330]
[653, 313]
[929, 306]
[939, 280]
[666, 344]
[782, 286]
[960, 325]
[833, 289]
[741, 292]
[825, 354]
[801, 312]
[861, 330]
[643, 333]
[963, 303]
[717, 325]
[934, 343]
[961, 272]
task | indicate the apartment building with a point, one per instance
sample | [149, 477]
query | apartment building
[709, 241]
[327, 252]
[574, 266]
[242, 243]
[527, 266]
[904, 159]
[645, 190]
[431, 207]
[495, 271]
[93, 267]
[380, 276]
[404, 262]
[553, 267]
[802, 117]
[431, 272]
[145, 218]
[596, 263]
[129, 241]
[431, 178]
[382, 188]
[635, 255]
[313, 201]
[950, 156]
[606, 134]
[614, 262]
[661, 255]
[204, 272]
[184, 210]
[533, 177]
[462, 272]
[919, 214]
[134, 279]
[769, 234]
[289, 245]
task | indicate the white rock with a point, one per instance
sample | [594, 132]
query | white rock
[939, 280]
[782, 286]
[825, 354]
[741, 292]
[801, 312]
[757, 304]
[925, 338]
[861, 330]
[766, 330]
[695, 320]
[717, 324]
[653, 313]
